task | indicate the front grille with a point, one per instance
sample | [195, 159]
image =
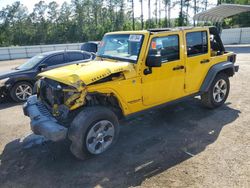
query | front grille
[50, 92]
[49, 95]
[42, 108]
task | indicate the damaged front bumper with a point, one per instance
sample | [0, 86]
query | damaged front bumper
[3, 91]
[42, 122]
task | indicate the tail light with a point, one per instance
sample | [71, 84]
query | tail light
[232, 58]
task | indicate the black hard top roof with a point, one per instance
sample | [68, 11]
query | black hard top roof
[156, 30]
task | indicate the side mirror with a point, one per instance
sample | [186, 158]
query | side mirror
[154, 60]
[42, 67]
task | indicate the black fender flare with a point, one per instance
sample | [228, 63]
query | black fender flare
[227, 66]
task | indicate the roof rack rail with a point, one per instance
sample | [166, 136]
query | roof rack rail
[160, 29]
[170, 29]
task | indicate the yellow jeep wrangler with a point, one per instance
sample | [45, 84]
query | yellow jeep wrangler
[133, 71]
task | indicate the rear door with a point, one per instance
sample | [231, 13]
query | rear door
[197, 58]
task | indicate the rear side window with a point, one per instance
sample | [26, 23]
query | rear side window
[167, 46]
[76, 56]
[55, 60]
[197, 43]
[86, 55]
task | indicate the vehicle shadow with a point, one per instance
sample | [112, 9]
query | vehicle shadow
[148, 145]
[7, 103]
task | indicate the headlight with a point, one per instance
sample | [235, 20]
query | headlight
[3, 81]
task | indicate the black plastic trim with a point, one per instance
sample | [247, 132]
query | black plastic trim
[42, 122]
[213, 72]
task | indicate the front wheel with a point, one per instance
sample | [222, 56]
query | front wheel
[217, 93]
[21, 91]
[93, 131]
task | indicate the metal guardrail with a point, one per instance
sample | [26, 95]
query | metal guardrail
[7, 53]
[229, 36]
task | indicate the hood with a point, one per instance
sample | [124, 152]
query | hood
[87, 73]
[9, 73]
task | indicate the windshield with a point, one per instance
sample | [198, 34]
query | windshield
[121, 47]
[31, 62]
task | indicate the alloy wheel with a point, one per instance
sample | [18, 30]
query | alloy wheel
[100, 137]
[220, 90]
[23, 92]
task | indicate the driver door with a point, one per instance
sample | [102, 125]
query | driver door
[165, 83]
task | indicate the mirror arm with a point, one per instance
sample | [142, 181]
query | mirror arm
[147, 71]
[42, 67]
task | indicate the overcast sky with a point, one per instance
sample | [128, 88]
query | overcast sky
[30, 4]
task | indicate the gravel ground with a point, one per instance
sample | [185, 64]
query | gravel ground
[7, 65]
[183, 145]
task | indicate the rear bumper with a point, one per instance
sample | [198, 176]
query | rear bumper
[42, 122]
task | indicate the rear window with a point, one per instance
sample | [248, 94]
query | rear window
[86, 55]
[89, 47]
[197, 43]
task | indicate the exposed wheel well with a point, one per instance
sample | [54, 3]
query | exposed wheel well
[108, 100]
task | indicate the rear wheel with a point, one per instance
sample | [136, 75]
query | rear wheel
[93, 131]
[21, 91]
[217, 93]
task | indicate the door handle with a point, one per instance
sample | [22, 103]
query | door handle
[204, 61]
[178, 67]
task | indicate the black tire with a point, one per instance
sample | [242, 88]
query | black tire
[13, 91]
[34, 90]
[83, 123]
[208, 99]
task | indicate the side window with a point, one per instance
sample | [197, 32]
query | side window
[197, 43]
[55, 60]
[168, 47]
[75, 56]
[86, 56]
